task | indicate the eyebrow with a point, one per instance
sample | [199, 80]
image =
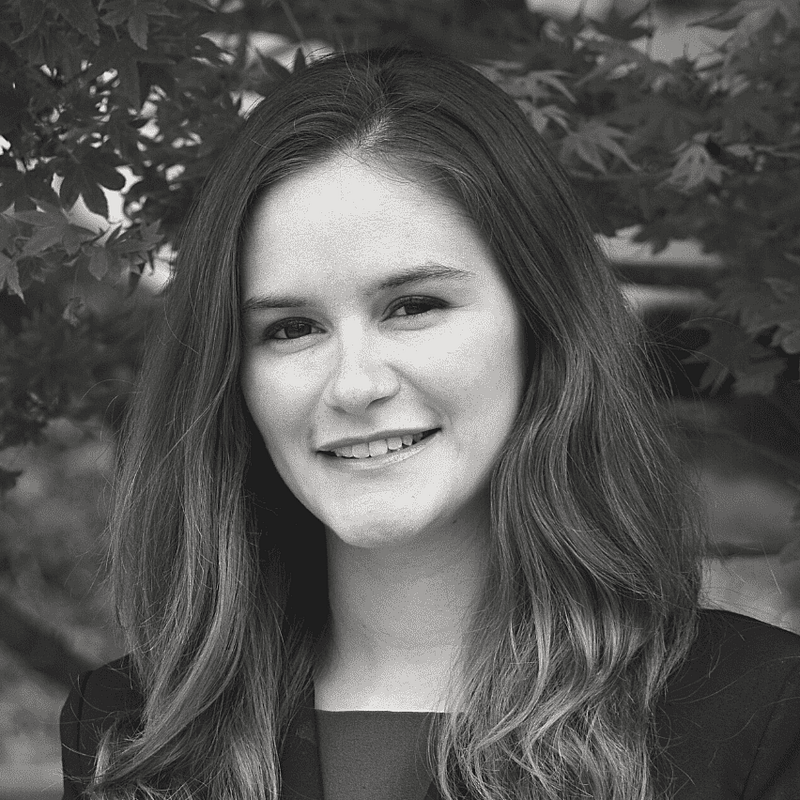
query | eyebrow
[402, 278]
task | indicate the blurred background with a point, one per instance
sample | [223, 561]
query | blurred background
[677, 121]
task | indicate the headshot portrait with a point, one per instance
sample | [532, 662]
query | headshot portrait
[398, 512]
[399, 400]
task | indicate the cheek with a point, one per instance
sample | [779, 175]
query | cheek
[482, 367]
[272, 398]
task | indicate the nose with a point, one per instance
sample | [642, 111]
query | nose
[360, 376]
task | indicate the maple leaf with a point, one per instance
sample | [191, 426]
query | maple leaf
[694, 166]
[44, 238]
[11, 182]
[784, 289]
[659, 120]
[748, 110]
[752, 15]
[138, 27]
[47, 216]
[7, 232]
[749, 17]
[619, 59]
[134, 244]
[787, 337]
[51, 229]
[534, 85]
[30, 13]
[540, 117]
[534, 92]
[99, 262]
[123, 57]
[273, 69]
[80, 14]
[779, 308]
[118, 12]
[115, 12]
[74, 308]
[592, 142]
[9, 275]
[730, 351]
[75, 236]
[769, 304]
[539, 85]
[79, 182]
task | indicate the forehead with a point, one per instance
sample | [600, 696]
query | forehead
[347, 185]
[347, 218]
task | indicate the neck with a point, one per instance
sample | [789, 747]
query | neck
[398, 618]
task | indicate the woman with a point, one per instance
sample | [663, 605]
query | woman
[394, 475]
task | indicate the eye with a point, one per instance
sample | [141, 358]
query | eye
[415, 306]
[289, 329]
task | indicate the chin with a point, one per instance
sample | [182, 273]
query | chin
[372, 534]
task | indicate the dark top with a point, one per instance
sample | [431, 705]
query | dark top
[730, 720]
[373, 755]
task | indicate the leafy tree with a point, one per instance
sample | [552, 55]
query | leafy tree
[136, 96]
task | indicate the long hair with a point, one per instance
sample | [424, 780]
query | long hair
[220, 572]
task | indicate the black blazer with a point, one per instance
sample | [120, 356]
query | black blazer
[730, 719]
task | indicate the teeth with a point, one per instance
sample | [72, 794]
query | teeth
[377, 448]
[361, 450]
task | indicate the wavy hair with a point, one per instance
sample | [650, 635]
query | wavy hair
[590, 602]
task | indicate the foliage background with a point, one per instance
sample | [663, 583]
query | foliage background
[139, 96]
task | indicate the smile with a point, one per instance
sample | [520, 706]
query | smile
[381, 451]
[380, 447]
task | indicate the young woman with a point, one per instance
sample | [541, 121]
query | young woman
[397, 516]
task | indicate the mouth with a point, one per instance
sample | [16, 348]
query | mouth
[380, 447]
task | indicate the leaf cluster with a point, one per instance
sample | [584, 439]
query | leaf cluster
[96, 97]
[705, 148]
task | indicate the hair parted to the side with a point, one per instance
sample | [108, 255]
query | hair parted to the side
[219, 572]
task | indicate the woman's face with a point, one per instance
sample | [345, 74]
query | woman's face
[375, 313]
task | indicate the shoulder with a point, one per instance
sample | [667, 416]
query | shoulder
[734, 632]
[731, 714]
[98, 699]
[737, 659]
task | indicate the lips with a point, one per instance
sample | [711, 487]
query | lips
[379, 447]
